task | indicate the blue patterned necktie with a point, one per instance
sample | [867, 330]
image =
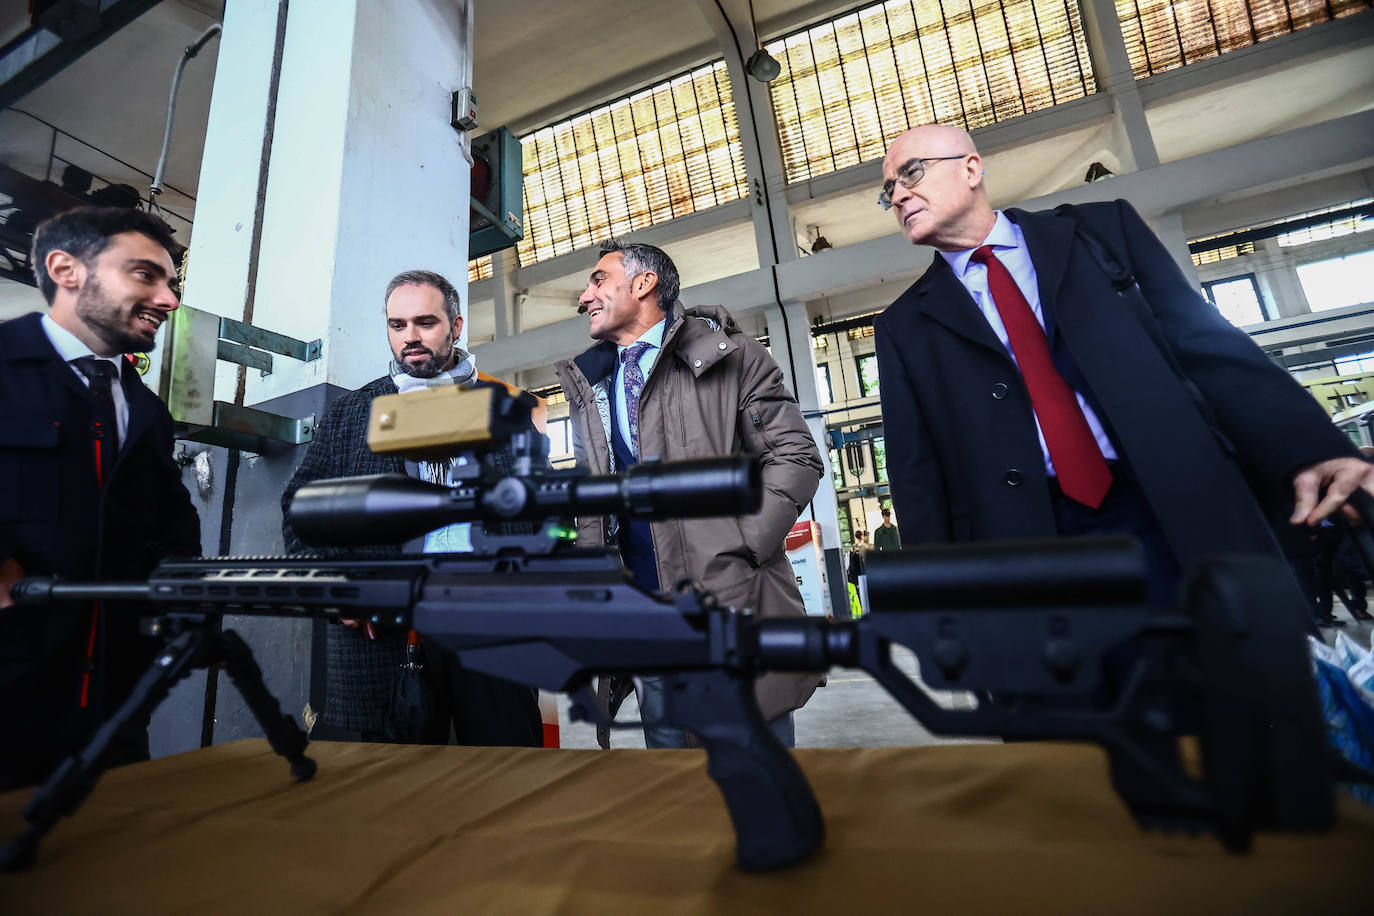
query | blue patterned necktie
[634, 384]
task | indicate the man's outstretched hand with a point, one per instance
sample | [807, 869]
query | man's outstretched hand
[1338, 478]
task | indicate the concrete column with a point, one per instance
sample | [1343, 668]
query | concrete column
[507, 300]
[1169, 228]
[367, 178]
[754, 111]
[329, 167]
[1112, 69]
[789, 333]
[1277, 276]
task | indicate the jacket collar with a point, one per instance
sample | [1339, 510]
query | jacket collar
[700, 337]
[23, 341]
[1049, 239]
[939, 294]
[704, 336]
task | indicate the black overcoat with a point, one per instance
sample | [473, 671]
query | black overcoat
[55, 519]
[963, 456]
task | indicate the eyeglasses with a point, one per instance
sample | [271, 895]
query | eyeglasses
[908, 176]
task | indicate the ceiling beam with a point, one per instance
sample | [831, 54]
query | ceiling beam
[64, 33]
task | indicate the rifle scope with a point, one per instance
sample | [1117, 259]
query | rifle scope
[389, 508]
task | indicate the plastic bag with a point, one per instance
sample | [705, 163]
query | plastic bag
[1345, 689]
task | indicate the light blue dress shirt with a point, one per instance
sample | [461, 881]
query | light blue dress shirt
[654, 337]
[1010, 247]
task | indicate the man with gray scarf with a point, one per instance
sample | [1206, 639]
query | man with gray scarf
[424, 322]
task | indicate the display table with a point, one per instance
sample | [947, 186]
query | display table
[386, 829]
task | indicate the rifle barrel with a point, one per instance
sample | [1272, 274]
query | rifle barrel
[39, 590]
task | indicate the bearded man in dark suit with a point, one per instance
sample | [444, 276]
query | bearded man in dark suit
[88, 487]
[1024, 397]
[423, 321]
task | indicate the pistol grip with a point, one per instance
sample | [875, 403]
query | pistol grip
[776, 818]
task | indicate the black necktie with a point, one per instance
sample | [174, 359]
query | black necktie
[101, 373]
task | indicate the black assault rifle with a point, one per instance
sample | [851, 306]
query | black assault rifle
[1052, 638]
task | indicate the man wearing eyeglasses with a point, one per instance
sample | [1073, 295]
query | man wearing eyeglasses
[1024, 397]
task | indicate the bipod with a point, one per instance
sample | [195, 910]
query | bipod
[193, 643]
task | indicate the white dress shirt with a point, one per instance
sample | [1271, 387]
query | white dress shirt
[70, 348]
[1010, 247]
[654, 337]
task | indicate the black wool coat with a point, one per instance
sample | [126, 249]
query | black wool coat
[358, 671]
[963, 455]
[55, 519]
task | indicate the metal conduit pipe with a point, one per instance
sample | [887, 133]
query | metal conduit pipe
[191, 51]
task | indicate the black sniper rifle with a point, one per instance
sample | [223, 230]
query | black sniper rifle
[1051, 637]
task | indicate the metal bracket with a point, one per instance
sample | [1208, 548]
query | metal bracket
[272, 342]
[196, 340]
[249, 429]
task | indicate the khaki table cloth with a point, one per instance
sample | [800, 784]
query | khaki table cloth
[1016, 828]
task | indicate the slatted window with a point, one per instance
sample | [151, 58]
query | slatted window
[1348, 224]
[1224, 253]
[660, 153]
[552, 395]
[479, 269]
[850, 85]
[1162, 35]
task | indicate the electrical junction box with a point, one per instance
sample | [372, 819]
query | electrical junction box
[464, 115]
[498, 202]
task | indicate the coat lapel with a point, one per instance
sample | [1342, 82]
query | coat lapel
[941, 296]
[140, 414]
[1049, 238]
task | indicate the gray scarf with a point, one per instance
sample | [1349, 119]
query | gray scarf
[464, 372]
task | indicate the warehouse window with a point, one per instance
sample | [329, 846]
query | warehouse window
[1224, 253]
[479, 269]
[1347, 224]
[867, 367]
[1338, 282]
[1237, 298]
[1167, 34]
[850, 85]
[660, 153]
[825, 392]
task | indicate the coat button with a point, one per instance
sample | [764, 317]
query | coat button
[697, 364]
[723, 345]
[999, 391]
[1013, 478]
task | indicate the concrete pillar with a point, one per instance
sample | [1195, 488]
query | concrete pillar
[1169, 228]
[507, 299]
[1279, 281]
[773, 231]
[1112, 69]
[329, 167]
[789, 333]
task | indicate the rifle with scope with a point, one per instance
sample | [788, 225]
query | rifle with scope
[1052, 638]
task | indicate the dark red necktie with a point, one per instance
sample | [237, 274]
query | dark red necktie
[1083, 473]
